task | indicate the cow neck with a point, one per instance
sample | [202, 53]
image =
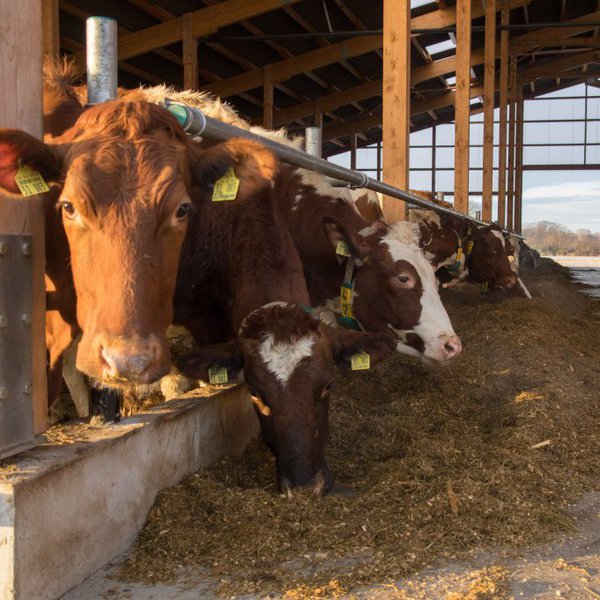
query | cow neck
[463, 251]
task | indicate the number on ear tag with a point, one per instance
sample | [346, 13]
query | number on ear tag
[226, 188]
[30, 182]
[360, 361]
[218, 375]
[347, 310]
[346, 293]
[343, 249]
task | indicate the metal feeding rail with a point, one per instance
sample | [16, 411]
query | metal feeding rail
[195, 123]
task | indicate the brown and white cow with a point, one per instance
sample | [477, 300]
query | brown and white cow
[393, 286]
[240, 268]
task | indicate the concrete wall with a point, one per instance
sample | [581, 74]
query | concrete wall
[69, 509]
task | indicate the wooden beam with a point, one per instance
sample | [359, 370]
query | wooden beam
[21, 108]
[518, 222]
[321, 57]
[50, 28]
[203, 22]
[512, 103]
[374, 118]
[267, 98]
[503, 120]
[396, 103]
[190, 54]
[518, 47]
[462, 106]
[353, 144]
[488, 110]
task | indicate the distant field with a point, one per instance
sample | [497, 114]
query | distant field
[577, 261]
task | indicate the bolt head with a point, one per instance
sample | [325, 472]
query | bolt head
[26, 249]
[26, 318]
[3, 321]
[3, 393]
[27, 388]
[3, 248]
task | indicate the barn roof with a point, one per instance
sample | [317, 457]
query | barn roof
[325, 55]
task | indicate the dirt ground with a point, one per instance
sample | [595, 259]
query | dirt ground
[446, 479]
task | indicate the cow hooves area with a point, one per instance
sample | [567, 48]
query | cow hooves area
[472, 464]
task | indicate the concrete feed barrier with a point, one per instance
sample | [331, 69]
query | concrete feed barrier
[67, 508]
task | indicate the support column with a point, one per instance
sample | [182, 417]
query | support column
[190, 55]
[353, 151]
[518, 224]
[502, 133]
[512, 101]
[488, 110]
[50, 28]
[462, 106]
[396, 102]
[267, 98]
[21, 108]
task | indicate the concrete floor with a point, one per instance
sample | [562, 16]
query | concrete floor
[567, 568]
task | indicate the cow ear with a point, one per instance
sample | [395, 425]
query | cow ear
[216, 359]
[378, 346]
[253, 165]
[337, 232]
[20, 148]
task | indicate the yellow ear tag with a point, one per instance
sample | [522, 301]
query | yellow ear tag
[347, 310]
[470, 245]
[459, 253]
[360, 361]
[30, 182]
[226, 188]
[343, 249]
[217, 375]
[346, 293]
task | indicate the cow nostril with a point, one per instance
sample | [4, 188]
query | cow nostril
[125, 365]
[452, 347]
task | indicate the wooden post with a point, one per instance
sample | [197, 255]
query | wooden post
[512, 101]
[353, 139]
[190, 55]
[462, 106]
[21, 107]
[396, 102]
[488, 110]
[50, 28]
[267, 98]
[518, 224]
[502, 130]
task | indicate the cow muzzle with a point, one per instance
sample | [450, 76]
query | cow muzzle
[320, 484]
[446, 347]
[133, 360]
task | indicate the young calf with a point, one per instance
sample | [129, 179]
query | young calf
[388, 285]
[239, 267]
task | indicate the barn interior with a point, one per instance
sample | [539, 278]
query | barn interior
[339, 65]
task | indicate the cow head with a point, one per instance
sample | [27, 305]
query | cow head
[490, 257]
[125, 171]
[395, 289]
[288, 361]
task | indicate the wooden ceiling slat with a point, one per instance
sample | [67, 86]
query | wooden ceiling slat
[526, 74]
[202, 22]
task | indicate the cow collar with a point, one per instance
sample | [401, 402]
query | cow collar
[462, 253]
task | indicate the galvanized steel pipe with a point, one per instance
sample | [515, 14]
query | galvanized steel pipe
[197, 124]
[313, 141]
[101, 55]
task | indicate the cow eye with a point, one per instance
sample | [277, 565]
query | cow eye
[183, 210]
[403, 278]
[68, 209]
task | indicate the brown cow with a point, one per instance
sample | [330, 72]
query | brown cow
[393, 286]
[239, 267]
[125, 171]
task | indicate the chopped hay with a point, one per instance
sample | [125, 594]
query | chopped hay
[439, 463]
